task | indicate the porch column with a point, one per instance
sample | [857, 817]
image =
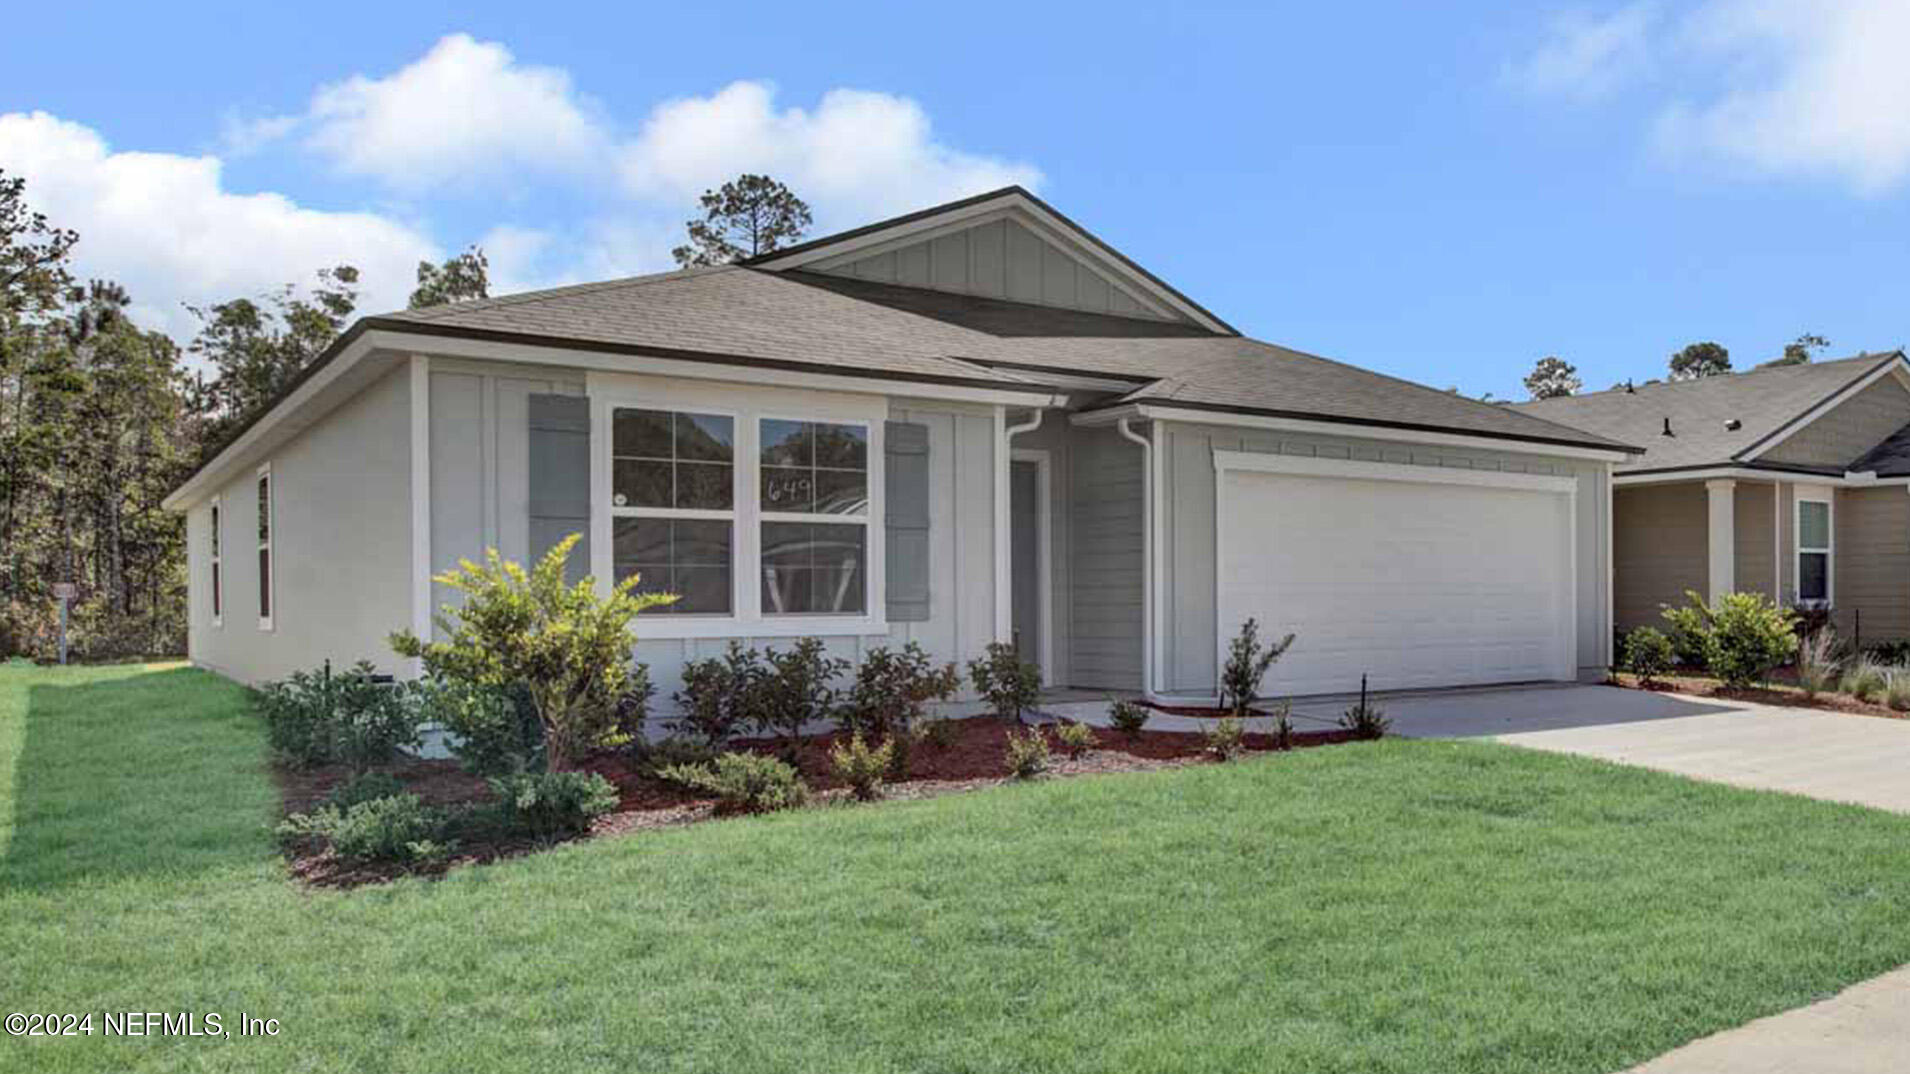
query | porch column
[1720, 495]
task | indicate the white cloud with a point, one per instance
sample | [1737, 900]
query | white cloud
[463, 112]
[1587, 57]
[165, 226]
[1813, 88]
[858, 156]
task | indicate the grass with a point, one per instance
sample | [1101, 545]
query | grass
[1395, 906]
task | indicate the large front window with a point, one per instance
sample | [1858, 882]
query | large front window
[813, 494]
[673, 506]
[1813, 551]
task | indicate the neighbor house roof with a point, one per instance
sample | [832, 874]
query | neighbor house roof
[1690, 424]
[808, 319]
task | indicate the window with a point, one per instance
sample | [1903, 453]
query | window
[265, 548]
[673, 506]
[813, 495]
[1813, 551]
[218, 571]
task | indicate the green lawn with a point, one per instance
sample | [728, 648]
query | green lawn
[1412, 907]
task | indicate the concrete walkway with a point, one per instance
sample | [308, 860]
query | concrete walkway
[1864, 1029]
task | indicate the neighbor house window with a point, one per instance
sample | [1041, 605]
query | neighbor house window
[265, 548]
[813, 498]
[1813, 551]
[673, 506]
[218, 570]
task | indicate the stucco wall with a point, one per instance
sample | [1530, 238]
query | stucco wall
[1659, 549]
[1191, 654]
[341, 546]
[1854, 427]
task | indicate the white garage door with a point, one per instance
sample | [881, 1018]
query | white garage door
[1415, 576]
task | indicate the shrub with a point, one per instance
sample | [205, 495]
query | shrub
[1128, 717]
[861, 766]
[892, 689]
[1889, 652]
[1866, 679]
[1028, 754]
[398, 827]
[1010, 683]
[1282, 715]
[1896, 690]
[653, 757]
[743, 783]
[548, 806]
[1226, 738]
[1248, 659]
[1689, 628]
[1365, 719]
[795, 690]
[938, 731]
[364, 788]
[567, 646]
[1648, 654]
[355, 717]
[1749, 636]
[719, 695]
[493, 731]
[1075, 739]
[1817, 662]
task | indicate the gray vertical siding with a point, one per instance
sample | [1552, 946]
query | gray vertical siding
[1107, 569]
[1191, 649]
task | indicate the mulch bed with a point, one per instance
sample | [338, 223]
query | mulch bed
[1779, 693]
[974, 757]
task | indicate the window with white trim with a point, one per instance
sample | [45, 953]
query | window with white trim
[1813, 551]
[673, 506]
[266, 522]
[813, 498]
[218, 568]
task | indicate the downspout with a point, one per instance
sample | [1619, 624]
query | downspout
[1149, 682]
[1005, 434]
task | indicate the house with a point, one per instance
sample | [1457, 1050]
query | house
[1791, 481]
[973, 423]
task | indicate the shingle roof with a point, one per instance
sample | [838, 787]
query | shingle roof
[809, 319]
[1761, 401]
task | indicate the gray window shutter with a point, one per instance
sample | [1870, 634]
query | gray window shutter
[560, 477]
[905, 492]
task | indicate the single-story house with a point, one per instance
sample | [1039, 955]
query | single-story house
[969, 424]
[1791, 481]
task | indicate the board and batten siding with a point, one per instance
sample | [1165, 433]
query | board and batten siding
[1107, 570]
[1191, 657]
[341, 546]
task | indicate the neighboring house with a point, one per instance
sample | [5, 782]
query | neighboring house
[968, 424]
[1792, 481]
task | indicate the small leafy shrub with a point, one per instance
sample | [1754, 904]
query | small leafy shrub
[1648, 654]
[1128, 717]
[364, 788]
[795, 690]
[633, 705]
[892, 689]
[1365, 719]
[353, 717]
[494, 731]
[1248, 659]
[1865, 680]
[719, 695]
[398, 828]
[564, 644]
[1226, 738]
[1010, 683]
[1818, 662]
[1689, 628]
[1075, 739]
[1028, 754]
[743, 783]
[938, 731]
[861, 765]
[1896, 689]
[548, 806]
[1282, 715]
[1749, 636]
[653, 757]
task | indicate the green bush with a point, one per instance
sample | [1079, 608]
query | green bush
[1896, 690]
[1282, 716]
[1226, 738]
[1365, 719]
[1010, 683]
[1865, 680]
[861, 766]
[399, 828]
[796, 690]
[1028, 754]
[1749, 637]
[743, 783]
[548, 806]
[566, 646]
[364, 788]
[354, 718]
[719, 695]
[493, 731]
[1648, 653]
[892, 689]
[1248, 659]
[1128, 717]
[653, 757]
[1075, 738]
[1689, 628]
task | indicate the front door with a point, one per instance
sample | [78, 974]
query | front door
[1024, 556]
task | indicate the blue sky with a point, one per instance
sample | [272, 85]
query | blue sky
[1444, 192]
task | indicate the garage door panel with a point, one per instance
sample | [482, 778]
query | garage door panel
[1414, 584]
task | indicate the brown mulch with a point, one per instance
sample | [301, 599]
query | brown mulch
[974, 757]
[1778, 693]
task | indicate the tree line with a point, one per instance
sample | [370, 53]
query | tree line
[1553, 376]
